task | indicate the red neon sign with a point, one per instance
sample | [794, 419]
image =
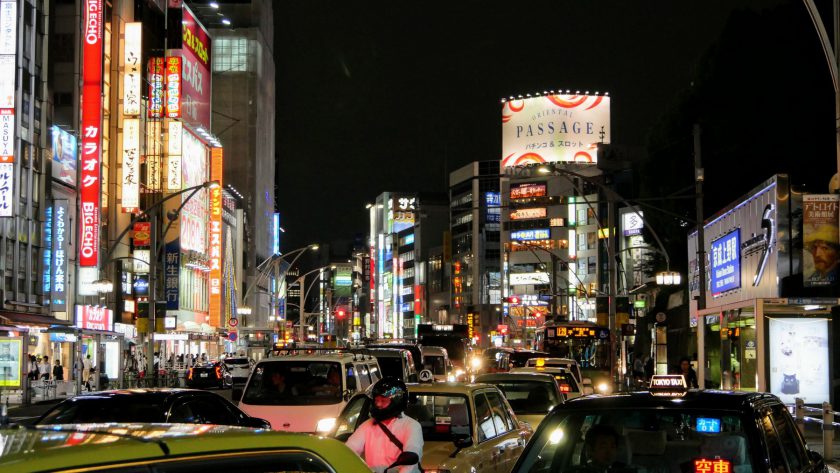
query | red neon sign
[717, 465]
[91, 154]
[215, 312]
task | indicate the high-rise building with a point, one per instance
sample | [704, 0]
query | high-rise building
[243, 118]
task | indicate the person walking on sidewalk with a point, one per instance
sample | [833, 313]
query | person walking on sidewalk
[58, 371]
[44, 368]
[86, 366]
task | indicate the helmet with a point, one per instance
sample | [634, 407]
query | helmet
[393, 389]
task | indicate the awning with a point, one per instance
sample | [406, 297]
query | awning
[18, 318]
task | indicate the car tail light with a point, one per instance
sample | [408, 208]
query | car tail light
[189, 373]
[564, 388]
[218, 372]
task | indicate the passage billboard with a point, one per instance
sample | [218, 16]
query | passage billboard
[554, 128]
[820, 220]
[799, 359]
[726, 262]
[195, 51]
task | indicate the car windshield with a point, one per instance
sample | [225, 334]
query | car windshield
[441, 416]
[391, 366]
[288, 383]
[662, 440]
[528, 397]
[455, 347]
[92, 409]
[435, 363]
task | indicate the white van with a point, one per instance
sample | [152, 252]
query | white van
[305, 393]
[436, 360]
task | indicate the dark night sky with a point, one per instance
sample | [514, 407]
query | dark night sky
[393, 96]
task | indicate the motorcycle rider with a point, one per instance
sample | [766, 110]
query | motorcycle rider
[389, 432]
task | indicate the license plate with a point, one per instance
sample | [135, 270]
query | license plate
[203, 375]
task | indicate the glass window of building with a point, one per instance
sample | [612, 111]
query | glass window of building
[231, 54]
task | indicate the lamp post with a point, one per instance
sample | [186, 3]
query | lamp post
[273, 262]
[302, 303]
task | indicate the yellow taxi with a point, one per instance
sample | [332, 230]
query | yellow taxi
[169, 448]
[466, 427]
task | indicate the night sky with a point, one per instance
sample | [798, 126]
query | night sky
[394, 96]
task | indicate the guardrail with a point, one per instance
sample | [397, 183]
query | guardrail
[823, 416]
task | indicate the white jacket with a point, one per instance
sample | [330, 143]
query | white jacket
[379, 452]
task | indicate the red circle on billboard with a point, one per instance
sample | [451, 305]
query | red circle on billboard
[233, 322]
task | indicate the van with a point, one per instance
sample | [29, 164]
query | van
[395, 362]
[306, 392]
[436, 360]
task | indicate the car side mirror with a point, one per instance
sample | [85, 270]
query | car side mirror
[461, 442]
[405, 459]
[586, 382]
[347, 394]
[258, 423]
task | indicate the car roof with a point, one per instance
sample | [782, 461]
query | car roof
[540, 369]
[692, 399]
[514, 376]
[386, 352]
[556, 360]
[448, 388]
[326, 356]
[432, 350]
[138, 393]
[47, 449]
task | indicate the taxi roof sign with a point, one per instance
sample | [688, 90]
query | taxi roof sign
[668, 385]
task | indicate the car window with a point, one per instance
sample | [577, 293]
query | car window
[792, 445]
[251, 462]
[527, 397]
[351, 377]
[375, 374]
[202, 411]
[105, 410]
[364, 375]
[353, 415]
[774, 447]
[501, 417]
[484, 418]
[442, 416]
[294, 383]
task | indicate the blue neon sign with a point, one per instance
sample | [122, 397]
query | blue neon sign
[726, 262]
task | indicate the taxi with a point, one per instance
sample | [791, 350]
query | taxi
[169, 448]
[670, 429]
[531, 395]
[466, 427]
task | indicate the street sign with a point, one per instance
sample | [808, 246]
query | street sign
[233, 322]
[232, 336]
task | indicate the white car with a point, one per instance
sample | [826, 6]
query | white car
[239, 369]
[568, 384]
[571, 365]
[436, 360]
[306, 392]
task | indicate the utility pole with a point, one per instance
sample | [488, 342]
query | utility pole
[701, 237]
[615, 332]
[151, 373]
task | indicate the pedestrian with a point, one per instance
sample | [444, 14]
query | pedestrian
[638, 370]
[44, 368]
[688, 372]
[58, 371]
[87, 364]
[32, 368]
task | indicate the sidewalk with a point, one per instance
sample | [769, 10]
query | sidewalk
[815, 442]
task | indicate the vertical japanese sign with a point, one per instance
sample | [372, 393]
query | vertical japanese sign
[132, 83]
[821, 238]
[195, 52]
[173, 156]
[91, 136]
[216, 159]
[48, 239]
[171, 268]
[8, 51]
[131, 165]
[173, 87]
[156, 76]
[154, 154]
[58, 292]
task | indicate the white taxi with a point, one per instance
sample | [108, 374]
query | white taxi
[306, 392]
[466, 427]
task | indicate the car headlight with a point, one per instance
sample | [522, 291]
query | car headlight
[475, 363]
[459, 372]
[450, 378]
[603, 388]
[325, 425]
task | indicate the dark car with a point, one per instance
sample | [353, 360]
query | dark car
[520, 357]
[164, 405]
[416, 351]
[672, 431]
[206, 375]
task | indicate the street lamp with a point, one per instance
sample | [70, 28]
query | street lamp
[668, 278]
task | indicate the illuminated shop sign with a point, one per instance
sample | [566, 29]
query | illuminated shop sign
[276, 227]
[91, 134]
[528, 190]
[726, 262]
[531, 234]
[494, 204]
[195, 51]
[171, 268]
[517, 279]
[131, 165]
[215, 246]
[8, 52]
[58, 291]
[154, 155]
[156, 72]
[173, 87]
[633, 223]
[132, 77]
[525, 214]
[64, 156]
[173, 156]
[194, 172]
[554, 128]
[94, 318]
[141, 261]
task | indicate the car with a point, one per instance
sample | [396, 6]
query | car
[436, 360]
[306, 392]
[206, 375]
[497, 360]
[395, 362]
[568, 384]
[670, 429]
[416, 351]
[531, 395]
[569, 364]
[169, 448]
[239, 368]
[466, 427]
[189, 406]
[519, 357]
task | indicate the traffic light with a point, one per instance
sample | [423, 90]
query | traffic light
[512, 300]
[339, 314]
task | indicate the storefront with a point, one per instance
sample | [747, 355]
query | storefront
[763, 328]
[97, 340]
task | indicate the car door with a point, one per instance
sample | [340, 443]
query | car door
[793, 445]
[486, 454]
[354, 413]
[507, 428]
[202, 410]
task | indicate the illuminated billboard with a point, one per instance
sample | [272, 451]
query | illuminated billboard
[132, 77]
[525, 214]
[131, 165]
[194, 172]
[527, 190]
[91, 127]
[799, 363]
[8, 55]
[726, 262]
[195, 51]
[94, 318]
[215, 247]
[156, 73]
[821, 239]
[64, 155]
[174, 94]
[554, 128]
[531, 234]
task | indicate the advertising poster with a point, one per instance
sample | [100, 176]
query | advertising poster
[65, 154]
[94, 318]
[194, 172]
[554, 128]
[11, 354]
[821, 242]
[195, 52]
[725, 259]
[799, 359]
[142, 234]
[527, 190]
